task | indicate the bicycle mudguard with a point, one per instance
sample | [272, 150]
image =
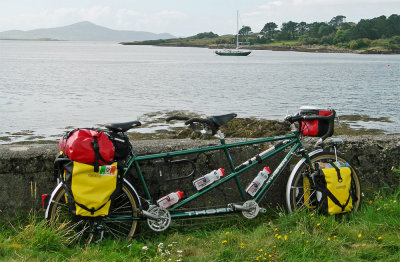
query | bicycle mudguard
[126, 182]
[289, 182]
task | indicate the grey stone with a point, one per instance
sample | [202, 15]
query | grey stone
[26, 171]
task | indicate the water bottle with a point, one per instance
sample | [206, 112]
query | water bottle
[341, 164]
[208, 179]
[258, 181]
[170, 199]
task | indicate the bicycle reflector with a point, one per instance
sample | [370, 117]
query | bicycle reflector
[45, 200]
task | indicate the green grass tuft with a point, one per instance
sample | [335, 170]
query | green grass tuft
[372, 234]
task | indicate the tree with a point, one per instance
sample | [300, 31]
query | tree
[245, 31]
[205, 35]
[302, 28]
[325, 30]
[337, 21]
[342, 36]
[393, 25]
[289, 28]
[269, 30]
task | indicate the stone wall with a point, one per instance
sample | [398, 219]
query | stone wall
[26, 171]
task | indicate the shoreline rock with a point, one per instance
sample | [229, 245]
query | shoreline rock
[309, 49]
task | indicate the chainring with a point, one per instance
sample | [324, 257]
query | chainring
[162, 222]
[254, 209]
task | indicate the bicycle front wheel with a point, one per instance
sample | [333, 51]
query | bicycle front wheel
[300, 190]
[120, 222]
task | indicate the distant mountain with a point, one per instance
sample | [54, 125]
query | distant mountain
[83, 31]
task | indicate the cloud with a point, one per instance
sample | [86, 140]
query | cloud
[57, 17]
[340, 2]
[158, 22]
[270, 5]
[127, 19]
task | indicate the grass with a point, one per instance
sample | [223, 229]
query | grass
[372, 234]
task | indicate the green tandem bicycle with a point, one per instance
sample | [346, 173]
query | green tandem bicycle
[129, 207]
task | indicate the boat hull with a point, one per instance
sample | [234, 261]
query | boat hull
[223, 53]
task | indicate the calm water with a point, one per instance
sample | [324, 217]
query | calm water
[47, 87]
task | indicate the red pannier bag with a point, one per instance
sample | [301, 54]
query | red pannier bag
[316, 128]
[88, 146]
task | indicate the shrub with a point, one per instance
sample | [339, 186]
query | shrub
[359, 43]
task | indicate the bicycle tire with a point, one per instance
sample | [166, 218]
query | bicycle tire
[82, 229]
[300, 193]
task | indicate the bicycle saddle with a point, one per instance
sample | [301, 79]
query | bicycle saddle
[122, 127]
[222, 119]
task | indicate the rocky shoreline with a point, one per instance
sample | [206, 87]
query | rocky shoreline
[154, 127]
[310, 49]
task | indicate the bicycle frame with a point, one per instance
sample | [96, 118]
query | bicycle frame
[291, 141]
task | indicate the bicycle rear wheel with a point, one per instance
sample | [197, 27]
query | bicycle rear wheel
[300, 190]
[118, 224]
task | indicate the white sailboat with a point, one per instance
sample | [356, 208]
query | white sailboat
[236, 51]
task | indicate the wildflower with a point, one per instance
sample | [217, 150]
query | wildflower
[276, 229]
[363, 245]
[224, 242]
[302, 233]
[379, 238]
[307, 241]
[359, 235]
[279, 237]
[273, 246]
[329, 239]
[187, 239]
[334, 236]
[260, 250]
[161, 245]
[285, 237]
[170, 245]
[270, 255]
[318, 224]
[226, 233]
[290, 232]
[179, 251]
[276, 235]
[145, 248]
[241, 245]
[312, 214]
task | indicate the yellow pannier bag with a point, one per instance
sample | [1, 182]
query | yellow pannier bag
[334, 190]
[90, 193]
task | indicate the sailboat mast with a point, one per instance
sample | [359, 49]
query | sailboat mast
[237, 29]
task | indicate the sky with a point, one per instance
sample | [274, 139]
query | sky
[184, 17]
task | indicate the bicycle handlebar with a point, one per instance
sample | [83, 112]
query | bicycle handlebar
[299, 118]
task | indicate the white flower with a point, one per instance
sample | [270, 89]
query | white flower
[145, 248]
[161, 245]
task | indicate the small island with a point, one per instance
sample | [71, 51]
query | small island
[380, 35]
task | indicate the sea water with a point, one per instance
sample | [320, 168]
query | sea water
[48, 87]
